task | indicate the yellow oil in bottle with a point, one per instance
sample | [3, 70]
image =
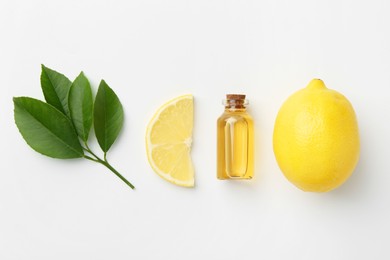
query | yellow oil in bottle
[235, 139]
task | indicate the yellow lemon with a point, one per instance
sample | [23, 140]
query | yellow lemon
[168, 141]
[316, 138]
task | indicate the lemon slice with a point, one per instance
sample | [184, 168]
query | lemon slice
[168, 141]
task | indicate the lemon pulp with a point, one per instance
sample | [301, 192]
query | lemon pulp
[169, 139]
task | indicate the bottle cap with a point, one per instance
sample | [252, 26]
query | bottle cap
[235, 101]
[235, 97]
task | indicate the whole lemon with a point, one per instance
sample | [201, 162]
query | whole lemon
[316, 138]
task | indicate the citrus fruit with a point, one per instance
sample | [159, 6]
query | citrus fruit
[316, 138]
[168, 141]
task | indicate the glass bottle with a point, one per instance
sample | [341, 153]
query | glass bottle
[235, 139]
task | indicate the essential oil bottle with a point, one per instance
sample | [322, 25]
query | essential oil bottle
[235, 140]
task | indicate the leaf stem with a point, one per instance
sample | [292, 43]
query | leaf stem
[105, 163]
[90, 158]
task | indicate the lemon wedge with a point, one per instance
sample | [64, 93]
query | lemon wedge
[169, 139]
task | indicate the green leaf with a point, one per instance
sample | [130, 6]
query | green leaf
[108, 116]
[81, 106]
[55, 87]
[46, 129]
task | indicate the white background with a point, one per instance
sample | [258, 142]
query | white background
[151, 51]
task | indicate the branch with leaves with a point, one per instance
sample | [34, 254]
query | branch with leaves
[60, 127]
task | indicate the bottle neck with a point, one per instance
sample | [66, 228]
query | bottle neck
[235, 109]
